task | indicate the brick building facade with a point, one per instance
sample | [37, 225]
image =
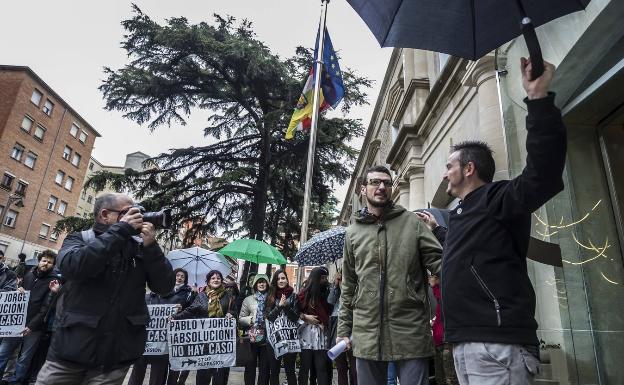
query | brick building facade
[45, 147]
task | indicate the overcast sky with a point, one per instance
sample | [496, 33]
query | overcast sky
[68, 42]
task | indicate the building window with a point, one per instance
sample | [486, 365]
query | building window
[69, 183]
[91, 166]
[17, 152]
[83, 137]
[62, 207]
[76, 159]
[90, 199]
[67, 152]
[31, 158]
[27, 124]
[10, 218]
[54, 236]
[39, 132]
[7, 181]
[21, 188]
[43, 232]
[36, 97]
[74, 130]
[52, 202]
[59, 177]
[48, 107]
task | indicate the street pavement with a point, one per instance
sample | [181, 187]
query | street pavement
[236, 377]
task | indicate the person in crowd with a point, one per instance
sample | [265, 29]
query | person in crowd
[345, 363]
[8, 278]
[213, 302]
[282, 300]
[392, 374]
[251, 318]
[21, 269]
[387, 250]
[101, 328]
[444, 365]
[488, 301]
[181, 296]
[48, 329]
[315, 312]
[37, 281]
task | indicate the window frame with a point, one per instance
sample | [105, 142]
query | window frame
[76, 154]
[44, 236]
[32, 122]
[86, 137]
[14, 217]
[71, 186]
[50, 200]
[69, 154]
[21, 182]
[63, 204]
[45, 107]
[62, 173]
[21, 150]
[10, 185]
[40, 97]
[39, 138]
[28, 156]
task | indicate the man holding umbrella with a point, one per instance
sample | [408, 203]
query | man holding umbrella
[488, 301]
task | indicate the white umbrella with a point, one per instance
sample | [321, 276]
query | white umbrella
[198, 262]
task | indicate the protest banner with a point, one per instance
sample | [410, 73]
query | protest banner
[157, 330]
[203, 343]
[283, 336]
[13, 307]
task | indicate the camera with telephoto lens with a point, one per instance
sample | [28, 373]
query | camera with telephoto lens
[160, 219]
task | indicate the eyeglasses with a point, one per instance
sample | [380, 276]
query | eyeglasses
[378, 182]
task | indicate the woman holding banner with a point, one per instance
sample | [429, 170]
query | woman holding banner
[282, 302]
[315, 312]
[252, 319]
[213, 302]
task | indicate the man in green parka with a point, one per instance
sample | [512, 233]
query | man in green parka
[384, 299]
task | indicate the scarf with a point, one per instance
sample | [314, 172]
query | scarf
[261, 298]
[214, 302]
[287, 291]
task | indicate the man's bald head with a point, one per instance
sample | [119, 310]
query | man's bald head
[111, 202]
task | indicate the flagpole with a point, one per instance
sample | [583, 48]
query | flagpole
[312, 145]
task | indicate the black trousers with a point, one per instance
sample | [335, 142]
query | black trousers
[289, 366]
[215, 376]
[260, 359]
[177, 378]
[158, 370]
[318, 359]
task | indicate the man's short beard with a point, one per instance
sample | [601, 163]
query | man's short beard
[387, 203]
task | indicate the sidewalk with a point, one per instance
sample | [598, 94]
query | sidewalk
[236, 377]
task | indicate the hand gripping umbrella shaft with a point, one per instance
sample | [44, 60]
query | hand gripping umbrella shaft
[530, 37]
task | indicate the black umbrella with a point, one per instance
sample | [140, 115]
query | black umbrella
[463, 28]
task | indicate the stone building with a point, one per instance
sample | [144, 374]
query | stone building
[44, 150]
[429, 101]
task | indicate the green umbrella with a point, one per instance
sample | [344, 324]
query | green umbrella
[253, 251]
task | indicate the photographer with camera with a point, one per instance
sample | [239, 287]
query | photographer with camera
[102, 313]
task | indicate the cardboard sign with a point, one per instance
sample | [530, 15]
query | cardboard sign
[157, 330]
[203, 343]
[13, 308]
[283, 336]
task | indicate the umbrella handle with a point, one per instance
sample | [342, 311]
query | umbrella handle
[535, 51]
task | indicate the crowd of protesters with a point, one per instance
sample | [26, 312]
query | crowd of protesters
[86, 318]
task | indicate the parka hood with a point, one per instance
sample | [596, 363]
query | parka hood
[392, 211]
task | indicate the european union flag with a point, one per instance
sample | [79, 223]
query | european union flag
[331, 78]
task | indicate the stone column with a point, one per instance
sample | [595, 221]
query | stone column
[403, 194]
[416, 190]
[490, 128]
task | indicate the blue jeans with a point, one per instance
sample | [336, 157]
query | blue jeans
[9, 345]
[392, 374]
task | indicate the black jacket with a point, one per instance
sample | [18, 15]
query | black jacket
[199, 308]
[38, 285]
[291, 309]
[183, 296]
[486, 292]
[8, 279]
[102, 314]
